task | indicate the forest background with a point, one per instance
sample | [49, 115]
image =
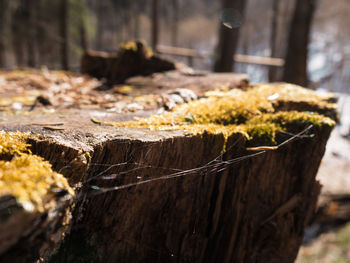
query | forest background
[54, 33]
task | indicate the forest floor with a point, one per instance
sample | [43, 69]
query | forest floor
[333, 244]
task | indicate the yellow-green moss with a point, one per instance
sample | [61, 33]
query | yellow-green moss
[251, 113]
[293, 93]
[133, 46]
[284, 118]
[27, 177]
[129, 46]
[12, 143]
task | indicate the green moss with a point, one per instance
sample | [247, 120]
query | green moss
[296, 118]
[27, 177]
[263, 133]
[252, 113]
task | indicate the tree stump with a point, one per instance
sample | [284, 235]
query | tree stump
[227, 175]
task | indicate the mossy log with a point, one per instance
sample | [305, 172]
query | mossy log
[225, 178]
[133, 59]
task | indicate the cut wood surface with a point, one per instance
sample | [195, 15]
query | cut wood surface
[150, 191]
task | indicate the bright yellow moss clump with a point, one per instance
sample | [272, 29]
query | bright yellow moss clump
[12, 143]
[134, 46]
[29, 178]
[252, 113]
[129, 46]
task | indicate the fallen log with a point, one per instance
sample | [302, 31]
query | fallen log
[229, 177]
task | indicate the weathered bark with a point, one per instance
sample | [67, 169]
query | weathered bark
[155, 24]
[228, 39]
[295, 69]
[274, 38]
[28, 236]
[64, 34]
[225, 210]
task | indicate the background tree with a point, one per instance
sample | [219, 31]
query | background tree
[135, 18]
[175, 22]
[64, 34]
[228, 39]
[100, 9]
[295, 69]
[84, 39]
[3, 10]
[155, 24]
[30, 35]
[274, 38]
[30, 38]
[18, 20]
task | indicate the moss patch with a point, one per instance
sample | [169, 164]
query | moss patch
[252, 113]
[27, 177]
[136, 48]
[293, 93]
[12, 143]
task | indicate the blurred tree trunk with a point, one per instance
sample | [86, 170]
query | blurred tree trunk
[3, 9]
[175, 23]
[135, 18]
[18, 21]
[84, 42]
[101, 13]
[30, 32]
[84, 39]
[274, 38]
[64, 47]
[155, 24]
[295, 69]
[228, 39]
[40, 35]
